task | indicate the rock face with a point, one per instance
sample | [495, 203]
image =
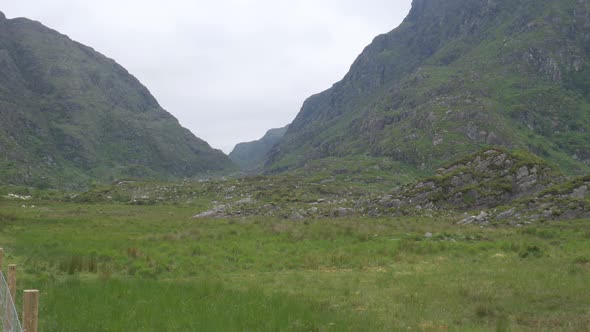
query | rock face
[566, 201]
[486, 179]
[69, 116]
[251, 156]
[457, 75]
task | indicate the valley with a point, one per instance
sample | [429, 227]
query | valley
[442, 184]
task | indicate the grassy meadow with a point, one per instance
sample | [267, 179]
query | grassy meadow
[116, 267]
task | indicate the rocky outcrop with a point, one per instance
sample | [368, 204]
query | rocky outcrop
[570, 200]
[486, 179]
[502, 186]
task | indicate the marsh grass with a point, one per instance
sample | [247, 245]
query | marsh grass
[147, 268]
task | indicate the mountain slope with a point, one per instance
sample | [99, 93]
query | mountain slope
[69, 115]
[251, 155]
[456, 76]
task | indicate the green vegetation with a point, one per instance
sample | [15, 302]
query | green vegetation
[104, 267]
[70, 117]
[455, 77]
[251, 156]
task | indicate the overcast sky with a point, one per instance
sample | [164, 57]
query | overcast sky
[229, 70]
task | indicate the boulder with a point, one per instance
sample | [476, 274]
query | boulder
[343, 212]
[579, 192]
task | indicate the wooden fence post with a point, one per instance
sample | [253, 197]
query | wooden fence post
[30, 310]
[12, 280]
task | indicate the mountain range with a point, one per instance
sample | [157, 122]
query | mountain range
[456, 77]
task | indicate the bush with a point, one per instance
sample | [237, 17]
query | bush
[531, 252]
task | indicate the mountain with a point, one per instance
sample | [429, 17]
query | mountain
[70, 116]
[455, 77]
[251, 155]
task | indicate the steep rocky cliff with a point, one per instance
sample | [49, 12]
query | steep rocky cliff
[454, 77]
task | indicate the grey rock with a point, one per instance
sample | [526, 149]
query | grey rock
[206, 214]
[482, 218]
[247, 200]
[522, 172]
[547, 214]
[343, 212]
[580, 192]
[296, 217]
[396, 204]
[506, 214]
[385, 199]
[467, 221]
[216, 211]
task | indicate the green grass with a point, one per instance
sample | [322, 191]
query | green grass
[145, 305]
[145, 268]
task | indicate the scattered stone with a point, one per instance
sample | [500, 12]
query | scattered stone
[206, 214]
[296, 217]
[482, 218]
[19, 197]
[506, 214]
[343, 212]
[216, 212]
[247, 200]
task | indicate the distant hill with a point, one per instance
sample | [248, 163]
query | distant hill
[455, 77]
[70, 116]
[251, 155]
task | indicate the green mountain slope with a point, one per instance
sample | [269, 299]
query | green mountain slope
[69, 115]
[454, 77]
[251, 155]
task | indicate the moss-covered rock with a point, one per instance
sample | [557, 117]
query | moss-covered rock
[488, 178]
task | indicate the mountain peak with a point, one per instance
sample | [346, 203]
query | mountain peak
[2, 16]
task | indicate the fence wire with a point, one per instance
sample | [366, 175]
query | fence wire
[8, 314]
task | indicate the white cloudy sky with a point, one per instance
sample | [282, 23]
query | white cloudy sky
[227, 69]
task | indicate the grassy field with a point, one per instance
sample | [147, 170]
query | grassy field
[152, 268]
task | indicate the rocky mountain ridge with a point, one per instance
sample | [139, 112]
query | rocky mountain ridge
[454, 77]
